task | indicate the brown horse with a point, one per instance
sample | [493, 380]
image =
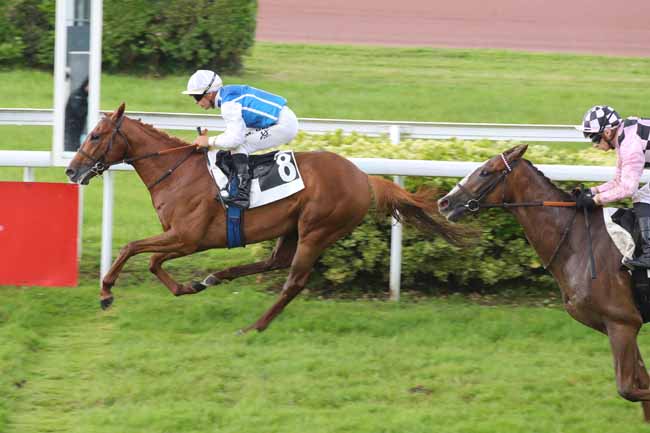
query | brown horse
[559, 236]
[336, 197]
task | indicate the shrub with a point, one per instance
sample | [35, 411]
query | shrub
[139, 35]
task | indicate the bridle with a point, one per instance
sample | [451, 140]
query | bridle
[100, 165]
[475, 202]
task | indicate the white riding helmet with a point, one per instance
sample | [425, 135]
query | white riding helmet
[597, 119]
[202, 82]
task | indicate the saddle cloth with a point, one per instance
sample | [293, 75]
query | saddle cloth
[622, 228]
[275, 175]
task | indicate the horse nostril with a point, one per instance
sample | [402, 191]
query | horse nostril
[443, 204]
[70, 172]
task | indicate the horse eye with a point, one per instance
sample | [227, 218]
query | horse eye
[484, 173]
[94, 137]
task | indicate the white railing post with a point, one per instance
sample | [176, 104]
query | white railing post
[80, 222]
[28, 174]
[107, 225]
[395, 234]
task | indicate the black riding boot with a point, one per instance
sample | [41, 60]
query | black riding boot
[643, 261]
[242, 199]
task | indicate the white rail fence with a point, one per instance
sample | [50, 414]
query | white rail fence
[380, 166]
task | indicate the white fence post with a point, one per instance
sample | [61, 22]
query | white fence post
[28, 174]
[80, 222]
[107, 224]
[395, 234]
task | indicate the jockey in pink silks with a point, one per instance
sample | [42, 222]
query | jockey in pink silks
[631, 139]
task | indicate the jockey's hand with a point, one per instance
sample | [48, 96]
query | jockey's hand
[201, 141]
[585, 200]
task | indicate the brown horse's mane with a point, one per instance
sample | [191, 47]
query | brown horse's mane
[550, 183]
[160, 133]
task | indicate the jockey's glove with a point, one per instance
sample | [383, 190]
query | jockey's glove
[585, 200]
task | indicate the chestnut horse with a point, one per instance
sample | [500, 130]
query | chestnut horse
[336, 197]
[559, 236]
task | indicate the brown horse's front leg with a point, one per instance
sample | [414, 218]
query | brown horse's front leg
[643, 381]
[622, 337]
[163, 243]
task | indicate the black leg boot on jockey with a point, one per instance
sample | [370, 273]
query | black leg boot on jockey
[242, 199]
[642, 211]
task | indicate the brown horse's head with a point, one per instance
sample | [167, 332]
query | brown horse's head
[103, 146]
[485, 185]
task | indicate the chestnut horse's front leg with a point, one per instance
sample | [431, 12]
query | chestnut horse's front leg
[155, 266]
[168, 242]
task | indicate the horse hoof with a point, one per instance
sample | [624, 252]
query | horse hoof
[211, 280]
[106, 303]
[198, 287]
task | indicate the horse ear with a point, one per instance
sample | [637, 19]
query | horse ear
[119, 112]
[516, 152]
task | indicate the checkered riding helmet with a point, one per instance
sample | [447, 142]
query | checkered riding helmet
[598, 118]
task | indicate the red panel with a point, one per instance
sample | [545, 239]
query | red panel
[38, 234]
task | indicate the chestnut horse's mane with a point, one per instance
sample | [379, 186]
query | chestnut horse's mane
[548, 181]
[160, 133]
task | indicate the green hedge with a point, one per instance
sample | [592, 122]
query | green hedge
[500, 259]
[138, 35]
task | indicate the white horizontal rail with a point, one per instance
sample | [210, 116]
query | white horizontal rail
[429, 130]
[381, 166]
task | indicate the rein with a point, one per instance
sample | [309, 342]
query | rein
[100, 165]
[474, 204]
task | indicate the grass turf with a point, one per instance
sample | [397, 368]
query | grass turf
[159, 364]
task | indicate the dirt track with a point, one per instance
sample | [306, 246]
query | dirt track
[581, 26]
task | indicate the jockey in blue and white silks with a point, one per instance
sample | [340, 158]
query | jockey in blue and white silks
[255, 120]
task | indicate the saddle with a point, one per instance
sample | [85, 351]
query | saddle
[626, 218]
[259, 165]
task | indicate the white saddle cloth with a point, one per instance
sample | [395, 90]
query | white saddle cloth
[621, 237]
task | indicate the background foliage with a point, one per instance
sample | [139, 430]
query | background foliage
[138, 36]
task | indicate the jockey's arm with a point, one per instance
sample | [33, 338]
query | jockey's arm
[632, 161]
[235, 133]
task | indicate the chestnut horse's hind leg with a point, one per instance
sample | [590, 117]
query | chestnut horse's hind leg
[627, 360]
[310, 247]
[303, 262]
[281, 258]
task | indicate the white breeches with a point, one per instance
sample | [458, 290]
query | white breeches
[281, 133]
[642, 194]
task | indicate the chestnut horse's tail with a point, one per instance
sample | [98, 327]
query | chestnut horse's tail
[419, 209]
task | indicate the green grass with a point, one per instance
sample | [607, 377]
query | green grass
[156, 363]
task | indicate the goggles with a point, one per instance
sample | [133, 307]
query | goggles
[595, 138]
[197, 98]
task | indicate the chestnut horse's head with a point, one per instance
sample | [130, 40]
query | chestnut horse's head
[485, 185]
[104, 146]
